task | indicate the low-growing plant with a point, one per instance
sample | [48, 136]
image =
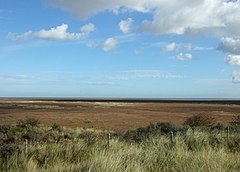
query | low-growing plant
[56, 127]
[4, 128]
[28, 123]
[200, 120]
[235, 120]
[219, 126]
[141, 134]
[200, 147]
[32, 135]
[8, 149]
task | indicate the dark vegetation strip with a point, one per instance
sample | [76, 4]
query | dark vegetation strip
[134, 100]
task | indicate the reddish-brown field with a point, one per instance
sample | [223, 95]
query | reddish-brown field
[111, 115]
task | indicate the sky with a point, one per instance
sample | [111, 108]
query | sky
[120, 48]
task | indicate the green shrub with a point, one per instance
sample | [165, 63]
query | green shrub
[235, 123]
[200, 120]
[234, 144]
[8, 149]
[141, 134]
[235, 120]
[51, 136]
[32, 135]
[56, 127]
[166, 127]
[28, 123]
[219, 126]
[4, 128]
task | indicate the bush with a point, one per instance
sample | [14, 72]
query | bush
[141, 134]
[51, 137]
[4, 128]
[32, 135]
[235, 120]
[56, 127]
[166, 127]
[234, 144]
[219, 126]
[28, 123]
[200, 120]
[8, 150]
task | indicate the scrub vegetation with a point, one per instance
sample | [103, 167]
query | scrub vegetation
[199, 144]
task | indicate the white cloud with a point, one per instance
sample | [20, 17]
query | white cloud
[134, 74]
[185, 56]
[20, 37]
[88, 28]
[57, 33]
[84, 9]
[109, 44]
[125, 25]
[230, 45]
[208, 17]
[233, 60]
[215, 17]
[170, 47]
[177, 47]
[236, 77]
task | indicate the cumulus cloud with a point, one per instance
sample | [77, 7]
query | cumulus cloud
[229, 45]
[87, 28]
[236, 77]
[233, 60]
[220, 18]
[125, 25]
[215, 17]
[109, 44]
[182, 56]
[57, 33]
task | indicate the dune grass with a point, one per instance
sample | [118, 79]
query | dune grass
[78, 150]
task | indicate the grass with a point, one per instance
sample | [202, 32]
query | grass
[78, 150]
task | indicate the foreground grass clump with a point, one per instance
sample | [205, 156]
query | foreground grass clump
[157, 147]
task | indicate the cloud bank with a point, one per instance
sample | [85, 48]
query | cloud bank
[213, 17]
[229, 45]
[232, 47]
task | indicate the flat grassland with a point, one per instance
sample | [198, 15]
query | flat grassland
[112, 114]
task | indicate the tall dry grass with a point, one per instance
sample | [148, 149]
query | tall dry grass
[195, 150]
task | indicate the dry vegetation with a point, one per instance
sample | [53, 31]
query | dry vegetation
[195, 142]
[110, 115]
[31, 147]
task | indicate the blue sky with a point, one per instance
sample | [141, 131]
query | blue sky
[125, 48]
